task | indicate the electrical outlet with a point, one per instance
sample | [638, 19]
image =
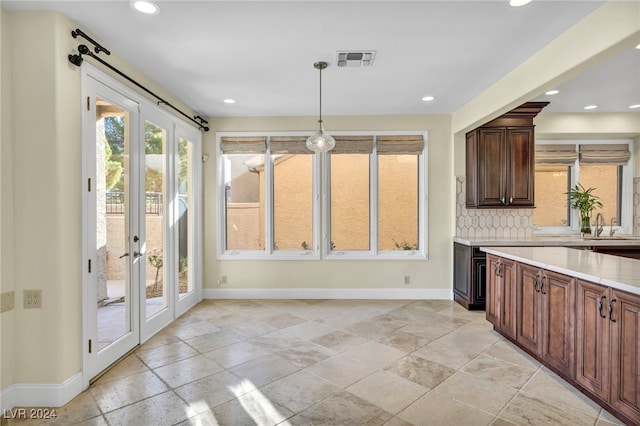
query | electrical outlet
[223, 279]
[474, 222]
[32, 299]
[7, 301]
[407, 280]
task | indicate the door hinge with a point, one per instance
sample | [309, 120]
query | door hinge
[89, 345]
[88, 103]
[89, 184]
[89, 265]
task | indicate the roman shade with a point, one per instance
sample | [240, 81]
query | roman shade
[400, 144]
[243, 144]
[353, 145]
[552, 155]
[605, 154]
[289, 145]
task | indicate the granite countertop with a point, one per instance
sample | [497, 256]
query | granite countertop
[613, 271]
[549, 241]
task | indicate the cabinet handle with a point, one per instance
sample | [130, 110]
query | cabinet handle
[542, 285]
[611, 310]
[600, 306]
[535, 284]
[503, 201]
[510, 200]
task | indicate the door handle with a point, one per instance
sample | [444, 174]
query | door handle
[535, 284]
[124, 255]
[600, 306]
[136, 254]
[542, 285]
[611, 310]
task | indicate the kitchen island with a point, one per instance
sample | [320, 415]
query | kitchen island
[577, 312]
[470, 262]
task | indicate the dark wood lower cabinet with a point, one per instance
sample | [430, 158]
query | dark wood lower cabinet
[586, 332]
[469, 275]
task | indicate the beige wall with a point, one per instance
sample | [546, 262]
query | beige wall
[430, 274]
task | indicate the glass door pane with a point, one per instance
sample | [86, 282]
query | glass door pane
[113, 262]
[155, 217]
[185, 217]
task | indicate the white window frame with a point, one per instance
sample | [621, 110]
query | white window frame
[623, 227]
[321, 206]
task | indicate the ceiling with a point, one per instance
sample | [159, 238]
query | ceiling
[261, 53]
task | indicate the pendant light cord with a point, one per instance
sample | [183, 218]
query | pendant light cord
[320, 115]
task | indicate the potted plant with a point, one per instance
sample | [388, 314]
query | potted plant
[584, 201]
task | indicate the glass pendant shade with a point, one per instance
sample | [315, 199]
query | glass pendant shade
[321, 141]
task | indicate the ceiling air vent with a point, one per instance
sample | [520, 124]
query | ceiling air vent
[362, 58]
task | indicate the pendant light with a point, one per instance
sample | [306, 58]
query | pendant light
[321, 141]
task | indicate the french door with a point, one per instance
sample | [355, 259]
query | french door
[139, 222]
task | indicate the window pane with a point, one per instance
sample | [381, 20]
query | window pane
[293, 202]
[185, 215]
[552, 182]
[244, 201]
[604, 178]
[398, 202]
[349, 202]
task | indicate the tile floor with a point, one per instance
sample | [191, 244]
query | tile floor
[330, 362]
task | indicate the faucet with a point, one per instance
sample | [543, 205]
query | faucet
[611, 230]
[599, 224]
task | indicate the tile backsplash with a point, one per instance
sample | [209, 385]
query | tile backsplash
[510, 223]
[492, 223]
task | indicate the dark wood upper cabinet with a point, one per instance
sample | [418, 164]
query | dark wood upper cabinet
[500, 160]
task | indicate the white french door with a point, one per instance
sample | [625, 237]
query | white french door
[140, 220]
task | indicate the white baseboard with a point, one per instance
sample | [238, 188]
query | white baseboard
[328, 293]
[41, 394]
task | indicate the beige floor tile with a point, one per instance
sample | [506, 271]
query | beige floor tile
[397, 421]
[388, 391]
[548, 387]
[501, 372]
[252, 329]
[283, 320]
[187, 370]
[126, 367]
[82, 408]
[366, 329]
[472, 337]
[307, 330]
[121, 392]
[264, 370]
[508, 352]
[188, 330]
[343, 408]
[163, 409]
[420, 370]
[211, 391]
[606, 419]
[341, 370]
[527, 410]
[236, 354]
[446, 353]
[160, 339]
[482, 393]
[403, 341]
[435, 409]
[276, 341]
[339, 341]
[306, 354]
[250, 409]
[376, 354]
[212, 341]
[299, 391]
[390, 321]
[429, 330]
[163, 355]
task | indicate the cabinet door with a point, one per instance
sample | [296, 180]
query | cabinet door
[462, 274]
[479, 281]
[592, 338]
[493, 290]
[529, 309]
[625, 353]
[520, 167]
[558, 342]
[491, 167]
[507, 315]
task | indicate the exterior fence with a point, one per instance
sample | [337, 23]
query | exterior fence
[153, 203]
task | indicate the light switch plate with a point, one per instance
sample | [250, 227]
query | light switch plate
[7, 301]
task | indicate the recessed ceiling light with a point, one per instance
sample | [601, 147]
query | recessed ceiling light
[428, 98]
[591, 107]
[518, 3]
[229, 101]
[146, 7]
[634, 106]
[552, 92]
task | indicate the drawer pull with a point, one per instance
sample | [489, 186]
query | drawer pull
[611, 310]
[542, 285]
[535, 284]
[600, 306]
